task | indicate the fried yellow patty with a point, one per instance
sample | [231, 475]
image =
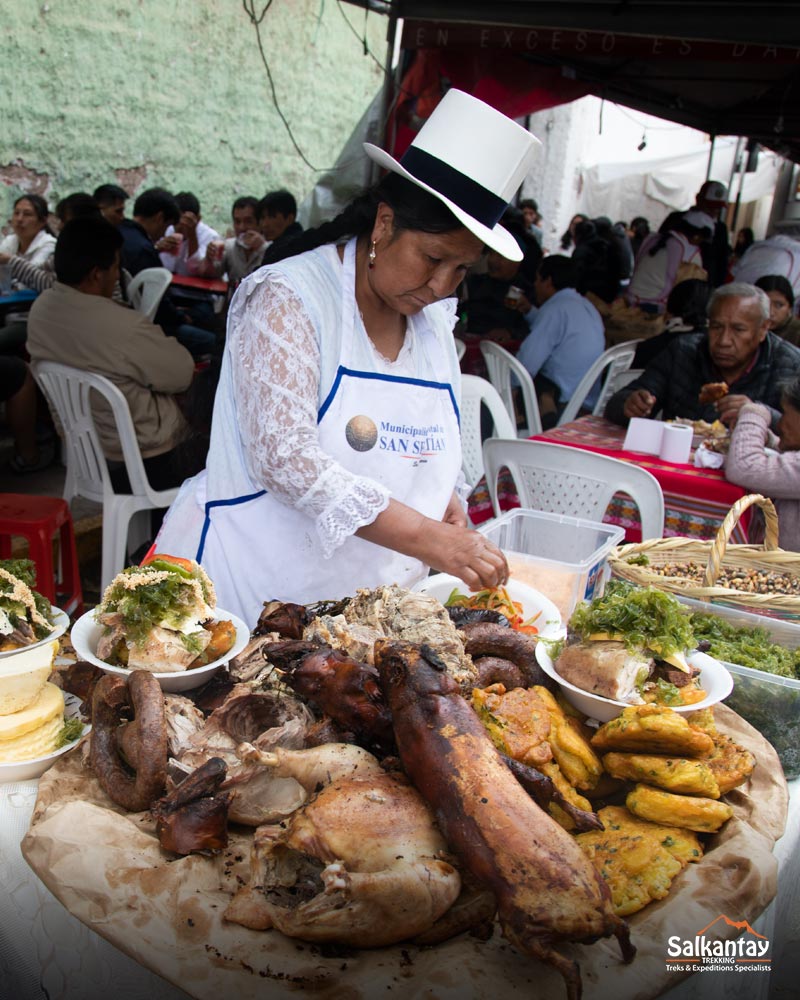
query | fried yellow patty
[675, 774]
[652, 729]
[687, 811]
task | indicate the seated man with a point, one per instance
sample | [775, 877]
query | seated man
[566, 338]
[76, 323]
[153, 211]
[737, 349]
[186, 255]
[276, 218]
[111, 200]
[241, 254]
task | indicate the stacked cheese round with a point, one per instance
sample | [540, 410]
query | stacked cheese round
[31, 708]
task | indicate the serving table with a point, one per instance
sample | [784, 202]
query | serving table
[45, 952]
[695, 500]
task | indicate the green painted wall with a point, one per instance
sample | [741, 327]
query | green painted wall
[173, 93]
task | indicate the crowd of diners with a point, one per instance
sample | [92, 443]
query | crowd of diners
[725, 313]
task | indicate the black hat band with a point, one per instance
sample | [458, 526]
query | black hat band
[477, 201]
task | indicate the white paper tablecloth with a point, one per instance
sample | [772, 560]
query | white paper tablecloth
[46, 954]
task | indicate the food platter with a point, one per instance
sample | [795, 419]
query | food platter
[25, 770]
[86, 633]
[166, 912]
[534, 603]
[60, 621]
[714, 679]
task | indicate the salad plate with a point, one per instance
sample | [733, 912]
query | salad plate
[535, 607]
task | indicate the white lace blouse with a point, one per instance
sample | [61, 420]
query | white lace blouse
[283, 352]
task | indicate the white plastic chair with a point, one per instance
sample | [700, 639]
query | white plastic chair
[125, 523]
[613, 362]
[559, 479]
[501, 364]
[146, 290]
[474, 392]
[461, 347]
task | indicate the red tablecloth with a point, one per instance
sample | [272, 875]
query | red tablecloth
[695, 500]
[215, 285]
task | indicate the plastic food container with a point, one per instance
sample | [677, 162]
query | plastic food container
[767, 701]
[563, 557]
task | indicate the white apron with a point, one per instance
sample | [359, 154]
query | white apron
[402, 432]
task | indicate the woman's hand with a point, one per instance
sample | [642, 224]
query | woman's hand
[728, 408]
[469, 555]
[442, 545]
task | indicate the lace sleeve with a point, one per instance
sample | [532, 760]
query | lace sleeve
[276, 380]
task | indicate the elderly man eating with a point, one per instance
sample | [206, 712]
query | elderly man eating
[737, 360]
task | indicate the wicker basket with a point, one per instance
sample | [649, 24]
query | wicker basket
[716, 555]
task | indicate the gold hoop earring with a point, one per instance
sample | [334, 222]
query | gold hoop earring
[372, 256]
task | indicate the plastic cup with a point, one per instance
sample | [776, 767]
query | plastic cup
[513, 295]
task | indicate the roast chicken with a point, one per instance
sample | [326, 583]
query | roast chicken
[361, 863]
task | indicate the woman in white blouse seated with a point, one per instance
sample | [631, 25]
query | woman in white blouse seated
[335, 448]
[31, 239]
[32, 242]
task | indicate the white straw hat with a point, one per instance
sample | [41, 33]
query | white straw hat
[473, 159]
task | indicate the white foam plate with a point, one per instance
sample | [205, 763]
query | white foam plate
[714, 679]
[60, 621]
[549, 623]
[86, 633]
[26, 770]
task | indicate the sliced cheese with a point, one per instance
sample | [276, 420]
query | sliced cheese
[33, 731]
[676, 659]
[23, 675]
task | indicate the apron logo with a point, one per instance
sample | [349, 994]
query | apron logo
[410, 441]
[361, 433]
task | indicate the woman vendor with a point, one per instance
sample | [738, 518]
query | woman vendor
[335, 449]
[754, 464]
[32, 242]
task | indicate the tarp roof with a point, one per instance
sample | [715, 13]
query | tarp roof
[722, 66]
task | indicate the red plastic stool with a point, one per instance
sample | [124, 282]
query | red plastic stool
[40, 519]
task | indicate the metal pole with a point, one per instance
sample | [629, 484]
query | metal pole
[710, 156]
[738, 203]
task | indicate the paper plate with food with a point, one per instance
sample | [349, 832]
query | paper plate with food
[161, 617]
[633, 646]
[26, 617]
[526, 609]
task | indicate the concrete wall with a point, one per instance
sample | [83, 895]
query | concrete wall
[174, 93]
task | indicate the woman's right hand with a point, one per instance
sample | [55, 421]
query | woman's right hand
[467, 554]
[442, 545]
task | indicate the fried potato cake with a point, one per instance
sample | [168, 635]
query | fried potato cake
[687, 811]
[638, 860]
[675, 774]
[517, 721]
[579, 764]
[652, 729]
[730, 763]
[681, 844]
[702, 719]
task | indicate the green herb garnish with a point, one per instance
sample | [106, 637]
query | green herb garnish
[167, 601]
[666, 693]
[640, 560]
[642, 617]
[71, 731]
[748, 647]
[18, 613]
